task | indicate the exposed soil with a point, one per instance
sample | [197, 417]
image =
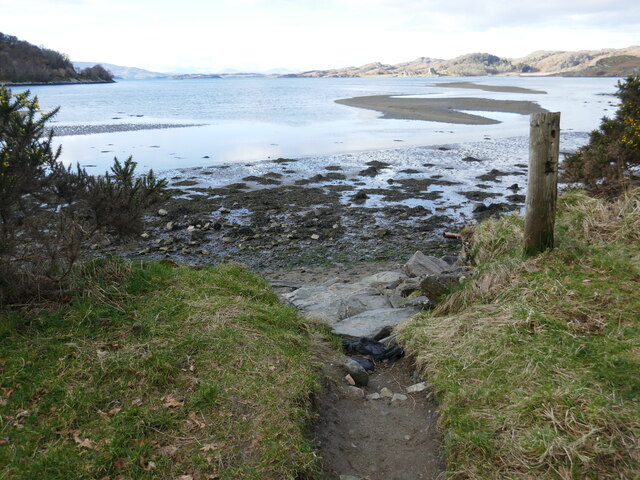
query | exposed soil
[362, 438]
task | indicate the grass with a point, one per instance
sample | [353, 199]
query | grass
[158, 372]
[536, 361]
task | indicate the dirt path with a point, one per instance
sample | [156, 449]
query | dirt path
[379, 431]
[360, 437]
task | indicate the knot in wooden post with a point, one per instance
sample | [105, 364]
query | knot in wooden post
[542, 187]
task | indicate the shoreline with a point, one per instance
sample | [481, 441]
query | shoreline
[443, 110]
[340, 210]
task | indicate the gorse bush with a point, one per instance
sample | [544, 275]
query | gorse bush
[610, 160]
[47, 211]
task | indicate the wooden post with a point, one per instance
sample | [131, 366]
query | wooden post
[542, 188]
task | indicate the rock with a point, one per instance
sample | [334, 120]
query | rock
[386, 393]
[169, 226]
[162, 212]
[349, 379]
[367, 364]
[420, 265]
[315, 236]
[357, 372]
[420, 302]
[388, 279]
[370, 323]
[418, 387]
[369, 172]
[144, 235]
[407, 287]
[359, 197]
[436, 286]
[353, 392]
[227, 239]
[333, 301]
[374, 396]
[399, 397]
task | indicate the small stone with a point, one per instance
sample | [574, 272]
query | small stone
[356, 372]
[350, 380]
[169, 226]
[227, 239]
[385, 392]
[399, 397]
[353, 392]
[224, 210]
[144, 235]
[407, 437]
[144, 251]
[315, 236]
[162, 212]
[204, 252]
[374, 396]
[418, 387]
[190, 228]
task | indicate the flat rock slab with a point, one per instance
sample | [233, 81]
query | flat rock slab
[370, 323]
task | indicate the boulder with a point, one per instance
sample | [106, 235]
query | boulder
[370, 323]
[436, 286]
[420, 265]
[384, 279]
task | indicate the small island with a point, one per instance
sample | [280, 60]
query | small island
[22, 63]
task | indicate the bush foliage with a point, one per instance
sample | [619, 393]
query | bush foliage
[610, 160]
[47, 211]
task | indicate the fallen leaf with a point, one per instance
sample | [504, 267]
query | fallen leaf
[192, 416]
[114, 410]
[147, 465]
[171, 402]
[210, 447]
[7, 391]
[86, 443]
[137, 402]
[120, 463]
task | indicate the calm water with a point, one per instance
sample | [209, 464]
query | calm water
[251, 120]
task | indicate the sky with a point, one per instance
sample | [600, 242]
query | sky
[209, 36]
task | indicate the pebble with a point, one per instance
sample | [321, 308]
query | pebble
[227, 239]
[385, 392]
[418, 387]
[357, 371]
[162, 212]
[315, 236]
[374, 396]
[399, 396]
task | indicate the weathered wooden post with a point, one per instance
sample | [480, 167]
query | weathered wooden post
[542, 188]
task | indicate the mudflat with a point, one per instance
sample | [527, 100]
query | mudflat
[445, 110]
[490, 88]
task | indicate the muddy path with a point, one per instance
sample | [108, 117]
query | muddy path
[379, 431]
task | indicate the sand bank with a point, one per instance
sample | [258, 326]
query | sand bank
[489, 88]
[445, 110]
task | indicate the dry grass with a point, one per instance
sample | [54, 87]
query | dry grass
[535, 361]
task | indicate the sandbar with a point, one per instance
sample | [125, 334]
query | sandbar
[445, 110]
[489, 88]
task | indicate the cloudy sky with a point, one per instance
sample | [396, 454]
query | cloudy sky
[257, 35]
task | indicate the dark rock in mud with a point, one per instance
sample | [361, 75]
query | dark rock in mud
[471, 159]
[492, 175]
[478, 196]
[410, 171]
[360, 197]
[516, 198]
[369, 172]
[378, 164]
[261, 180]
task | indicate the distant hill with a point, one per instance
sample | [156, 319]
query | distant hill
[608, 62]
[125, 73]
[24, 63]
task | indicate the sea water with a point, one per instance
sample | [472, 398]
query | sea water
[232, 120]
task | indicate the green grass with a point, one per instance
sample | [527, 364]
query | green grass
[536, 362]
[158, 372]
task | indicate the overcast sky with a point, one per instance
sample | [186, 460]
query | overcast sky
[257, 35]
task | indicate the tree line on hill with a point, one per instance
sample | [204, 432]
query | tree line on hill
[22, 62]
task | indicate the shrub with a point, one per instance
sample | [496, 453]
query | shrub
[47, 211]
[608, 162]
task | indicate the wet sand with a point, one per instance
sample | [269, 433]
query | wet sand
[445, 110]
[490, 88]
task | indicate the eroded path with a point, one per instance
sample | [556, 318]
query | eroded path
[386, 429]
